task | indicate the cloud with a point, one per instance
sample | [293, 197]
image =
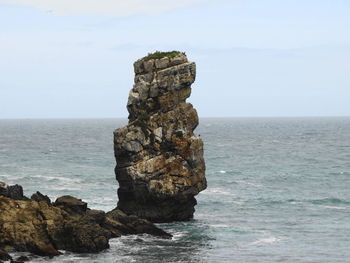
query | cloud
[105, 7]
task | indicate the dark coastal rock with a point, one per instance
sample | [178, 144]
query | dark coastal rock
[4, 255]
[134, 225]
[84, 235]
[27, 225]
[43, 228]
[40, 197]
[71, 204]
[12, 191]
[160, 164]
[22, 259]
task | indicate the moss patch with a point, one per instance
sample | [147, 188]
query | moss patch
[159, 54]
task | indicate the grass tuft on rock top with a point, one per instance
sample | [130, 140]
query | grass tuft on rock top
[159, 54]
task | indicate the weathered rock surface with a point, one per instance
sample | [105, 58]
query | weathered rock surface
[160, 165]
[40, 197]
[12, 191]
[132, 224]
[43, 228]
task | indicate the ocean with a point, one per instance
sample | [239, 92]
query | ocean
[278, 188]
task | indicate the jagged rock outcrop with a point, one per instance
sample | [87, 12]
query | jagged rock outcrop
[12, 191]
[43, 228]
[160, 165]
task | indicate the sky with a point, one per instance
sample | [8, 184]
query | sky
[255, 58]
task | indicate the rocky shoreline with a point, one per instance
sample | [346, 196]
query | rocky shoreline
[160, 169]
[42, 227]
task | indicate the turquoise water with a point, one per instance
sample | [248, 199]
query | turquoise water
[278, 189]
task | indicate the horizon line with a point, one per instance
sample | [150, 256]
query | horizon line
[205, 117]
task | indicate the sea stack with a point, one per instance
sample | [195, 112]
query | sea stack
[160, 164]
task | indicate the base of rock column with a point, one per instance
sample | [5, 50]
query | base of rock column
[157, 211]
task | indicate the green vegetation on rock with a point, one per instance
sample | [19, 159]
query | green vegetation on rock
[159, 54]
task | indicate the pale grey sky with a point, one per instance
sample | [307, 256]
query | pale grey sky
[254, 57]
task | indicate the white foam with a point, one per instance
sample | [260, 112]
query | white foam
[65, 187]
[63, 179]
[220, 226]
[9, 179]
[266, 240]
[248, 183]
[6, 175]
[217, 191]
[334, 207]
[222, 172]
[295, 202]
[178, 235]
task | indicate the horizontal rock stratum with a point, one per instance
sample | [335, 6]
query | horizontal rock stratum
[160, 164]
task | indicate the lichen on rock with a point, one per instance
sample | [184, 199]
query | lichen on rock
[160, 164]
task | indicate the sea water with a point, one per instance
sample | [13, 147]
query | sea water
[278, 189]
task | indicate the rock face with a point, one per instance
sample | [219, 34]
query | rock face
[43, 228]
[160, 165]
[12, 191]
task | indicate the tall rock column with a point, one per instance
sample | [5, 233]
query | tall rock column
[160, 165]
